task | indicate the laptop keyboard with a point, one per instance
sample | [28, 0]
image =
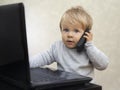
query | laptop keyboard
[44, 75]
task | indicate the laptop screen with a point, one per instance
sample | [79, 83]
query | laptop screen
[13, 43]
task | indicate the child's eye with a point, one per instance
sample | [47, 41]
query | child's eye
[76, 30]
[66, 30]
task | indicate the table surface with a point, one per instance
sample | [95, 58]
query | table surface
[88, 86]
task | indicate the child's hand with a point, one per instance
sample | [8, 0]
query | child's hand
[88, 36]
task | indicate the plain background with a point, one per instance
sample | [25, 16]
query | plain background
[42, 23]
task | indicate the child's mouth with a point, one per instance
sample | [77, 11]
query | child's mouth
[70, 42]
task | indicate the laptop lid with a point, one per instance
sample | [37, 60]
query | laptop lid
[14, 65]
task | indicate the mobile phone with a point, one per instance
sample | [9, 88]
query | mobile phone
[82, 41]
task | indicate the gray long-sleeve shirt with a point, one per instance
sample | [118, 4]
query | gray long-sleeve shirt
[70, 60]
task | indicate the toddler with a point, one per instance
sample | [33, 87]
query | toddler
[73, 24]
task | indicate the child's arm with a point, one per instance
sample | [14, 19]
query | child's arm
[98, 58]
[41, 59]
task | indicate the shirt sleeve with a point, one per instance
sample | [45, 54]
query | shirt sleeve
[43, 58]
[97, 58]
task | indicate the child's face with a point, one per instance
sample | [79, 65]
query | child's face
[71, 33]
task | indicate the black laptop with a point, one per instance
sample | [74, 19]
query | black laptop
[14, 61]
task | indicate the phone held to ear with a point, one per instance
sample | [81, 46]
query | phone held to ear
[82, 41]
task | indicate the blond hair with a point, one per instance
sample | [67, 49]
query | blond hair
[77, 14]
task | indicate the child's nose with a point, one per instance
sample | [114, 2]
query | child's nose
[70, 34]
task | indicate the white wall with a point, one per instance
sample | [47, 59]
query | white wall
[42, 20]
